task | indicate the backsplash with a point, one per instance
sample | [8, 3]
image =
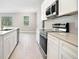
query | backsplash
[72, 20]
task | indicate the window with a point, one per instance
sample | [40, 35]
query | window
[26, 20]
[6, 20]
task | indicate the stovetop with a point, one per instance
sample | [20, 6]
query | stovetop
[44, 32]
[51, 30]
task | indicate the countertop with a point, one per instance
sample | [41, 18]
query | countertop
[5, 32]
[68, 37]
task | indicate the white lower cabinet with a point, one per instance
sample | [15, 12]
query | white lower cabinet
[53, 48]
[6, 47]
[59, 49]
[68, 51]
[13, 40]
[1, 48]
[10, 41]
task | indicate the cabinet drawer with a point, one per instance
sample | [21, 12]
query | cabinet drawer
[52, 44]
[53, 39]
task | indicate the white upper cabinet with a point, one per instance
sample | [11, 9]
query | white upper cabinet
[43, 10]
[64, 6]
[67, 6]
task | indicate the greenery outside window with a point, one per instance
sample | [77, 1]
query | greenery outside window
[6, 20]
[26, 20]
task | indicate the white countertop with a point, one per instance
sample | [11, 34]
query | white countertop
[5, 32]
[68, 37]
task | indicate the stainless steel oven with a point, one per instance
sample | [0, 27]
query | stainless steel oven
[43, 41]
[57, 27]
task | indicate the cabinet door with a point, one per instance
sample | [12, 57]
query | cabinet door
[43, 12]
[13, 40]
[67, 6]
[68, 51]
[1, 47]
[53, 48]
[6, 47]
[10, 41]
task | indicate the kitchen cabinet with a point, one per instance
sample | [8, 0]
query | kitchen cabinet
[68, 51]
[6, 47]
[10, 41]
[1, 48]
[53, 48]
[60, 49]
[67, 6]
[43, 15]
[13, 40]
[64, 7]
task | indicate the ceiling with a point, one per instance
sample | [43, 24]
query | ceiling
[19, 5]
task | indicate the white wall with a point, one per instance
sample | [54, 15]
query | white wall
[18, 20]
[32, 22]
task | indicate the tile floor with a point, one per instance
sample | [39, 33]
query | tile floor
[27, 48]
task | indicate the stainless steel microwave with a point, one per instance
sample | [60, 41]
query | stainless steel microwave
[52, 10]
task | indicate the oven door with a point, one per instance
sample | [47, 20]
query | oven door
[43, 43]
